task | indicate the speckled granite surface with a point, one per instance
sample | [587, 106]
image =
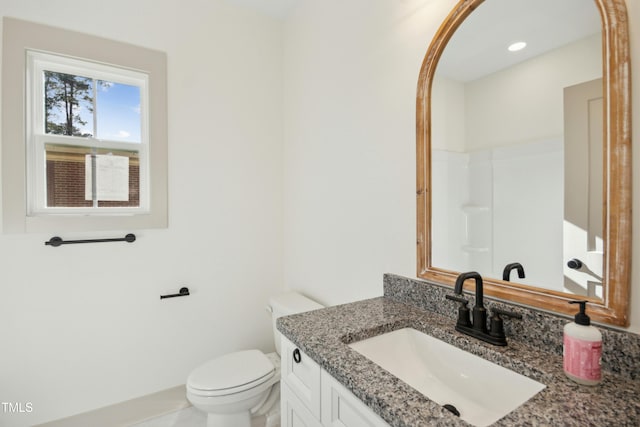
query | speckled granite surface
[620, 350]
[324, 334]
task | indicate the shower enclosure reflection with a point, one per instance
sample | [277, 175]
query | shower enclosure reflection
[501, 188]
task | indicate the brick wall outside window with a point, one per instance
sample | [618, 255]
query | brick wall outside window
[66, 182]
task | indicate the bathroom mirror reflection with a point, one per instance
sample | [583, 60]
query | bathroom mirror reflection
[518, 149]
[498, 178]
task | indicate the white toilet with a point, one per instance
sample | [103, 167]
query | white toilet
[235, 387]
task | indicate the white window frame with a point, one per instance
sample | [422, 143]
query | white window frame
[18, 38]
[37, 64]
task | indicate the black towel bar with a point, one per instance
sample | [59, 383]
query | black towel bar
[57, 241]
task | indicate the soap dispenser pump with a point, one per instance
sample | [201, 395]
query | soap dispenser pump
[582, 349]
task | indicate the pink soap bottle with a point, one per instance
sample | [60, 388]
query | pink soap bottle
[582, 350]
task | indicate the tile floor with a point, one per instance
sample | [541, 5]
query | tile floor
[191, 417]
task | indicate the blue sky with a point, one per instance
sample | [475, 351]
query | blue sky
[117, 113]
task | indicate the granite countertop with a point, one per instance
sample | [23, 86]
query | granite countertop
[324, 334]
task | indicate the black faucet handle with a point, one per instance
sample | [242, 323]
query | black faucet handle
[464, 314]
[497, 312]
[461, 300]
[496, 324]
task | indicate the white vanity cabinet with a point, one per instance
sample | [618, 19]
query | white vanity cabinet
[311, 397]
[300, 385]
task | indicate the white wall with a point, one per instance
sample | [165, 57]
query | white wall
[351, 70]
[83, 325]
[495, 112]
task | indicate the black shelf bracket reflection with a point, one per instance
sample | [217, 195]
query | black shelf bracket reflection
[183, 293]
[57, 241]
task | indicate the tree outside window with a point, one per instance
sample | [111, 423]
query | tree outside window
[66, 96]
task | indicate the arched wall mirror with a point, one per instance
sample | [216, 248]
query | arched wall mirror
[524, 157]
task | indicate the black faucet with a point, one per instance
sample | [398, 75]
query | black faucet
[478, 328]
[479, 312]
[506, 273]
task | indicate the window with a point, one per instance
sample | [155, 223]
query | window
[84, 135]
[87, 145]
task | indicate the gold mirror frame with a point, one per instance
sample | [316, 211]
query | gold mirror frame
[614, 307]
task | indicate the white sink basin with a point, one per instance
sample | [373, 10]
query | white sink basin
[481, 391]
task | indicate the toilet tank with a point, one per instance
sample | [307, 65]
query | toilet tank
[286, 304]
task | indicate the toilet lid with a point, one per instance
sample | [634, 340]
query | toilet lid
[232, 372]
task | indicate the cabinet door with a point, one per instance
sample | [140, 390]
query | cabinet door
[302, 375]
[341, 408]
[293, 412]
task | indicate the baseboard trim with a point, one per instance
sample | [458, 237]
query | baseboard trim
[129, 412]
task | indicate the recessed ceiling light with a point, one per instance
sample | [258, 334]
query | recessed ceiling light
[514, 47]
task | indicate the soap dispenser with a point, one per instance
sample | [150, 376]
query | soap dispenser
[582, 350]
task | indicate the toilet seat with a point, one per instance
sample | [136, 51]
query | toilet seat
[231, 373]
